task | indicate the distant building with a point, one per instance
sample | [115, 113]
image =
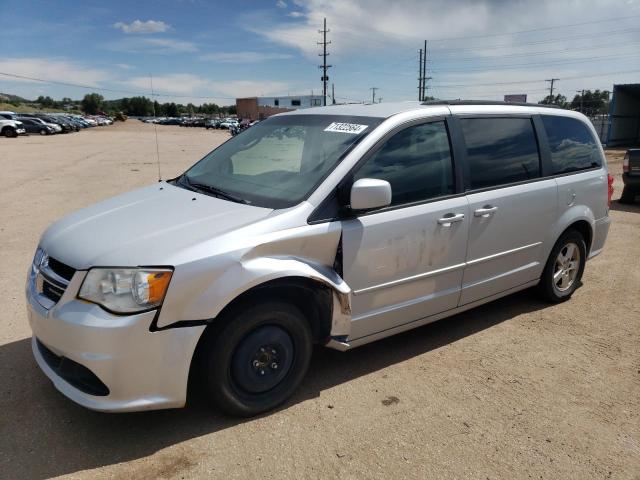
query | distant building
[624, 116]
[259, 108]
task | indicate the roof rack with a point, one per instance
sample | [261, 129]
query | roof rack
[486, 102]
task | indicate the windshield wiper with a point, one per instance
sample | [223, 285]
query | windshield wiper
[204, 188]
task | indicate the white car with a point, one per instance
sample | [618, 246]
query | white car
[228, 123]
[11, 128]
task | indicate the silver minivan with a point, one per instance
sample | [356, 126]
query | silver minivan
[335, 226]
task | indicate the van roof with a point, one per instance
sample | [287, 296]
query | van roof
[385, 110]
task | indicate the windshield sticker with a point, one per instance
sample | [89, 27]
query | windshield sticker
[346, 128]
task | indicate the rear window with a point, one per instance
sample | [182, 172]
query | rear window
[500, 151]
[572, 145]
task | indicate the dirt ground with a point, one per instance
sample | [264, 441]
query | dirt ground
[514, 389]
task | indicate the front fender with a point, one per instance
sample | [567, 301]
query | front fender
[246, 274]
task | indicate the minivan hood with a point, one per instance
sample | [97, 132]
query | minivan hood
[147, 226]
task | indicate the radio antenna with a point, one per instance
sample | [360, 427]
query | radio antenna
[155, 127]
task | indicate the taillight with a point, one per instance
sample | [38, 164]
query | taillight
[610, 182]
[625, 163]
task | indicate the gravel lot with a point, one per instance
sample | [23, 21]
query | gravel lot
[514, 389]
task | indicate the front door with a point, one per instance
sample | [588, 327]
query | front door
[405, 262]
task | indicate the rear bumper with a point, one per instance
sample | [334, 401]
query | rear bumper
[600, 232]
[139, 369]
[631, 180]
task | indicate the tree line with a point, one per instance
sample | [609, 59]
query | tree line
[589, 102]
[93, 103]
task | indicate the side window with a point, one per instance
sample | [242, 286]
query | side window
[415, 161]
[500, 151]
[571, 143]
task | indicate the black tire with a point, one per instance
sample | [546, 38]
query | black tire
[628, 195]
[257, 360]
[43, 132]
[9, 132]
[553, 290]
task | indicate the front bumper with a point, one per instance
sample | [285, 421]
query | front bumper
[142, 370]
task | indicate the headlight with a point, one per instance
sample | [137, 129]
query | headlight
[126, 290]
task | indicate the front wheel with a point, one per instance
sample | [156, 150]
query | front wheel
[258, 359]
[564, 267]
[9, 132]
[43, 132]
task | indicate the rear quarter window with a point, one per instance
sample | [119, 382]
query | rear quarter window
[573, 146]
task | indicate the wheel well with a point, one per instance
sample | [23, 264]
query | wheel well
[313, 298]
[584, 229]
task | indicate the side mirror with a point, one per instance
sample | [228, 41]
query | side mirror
[370, 193]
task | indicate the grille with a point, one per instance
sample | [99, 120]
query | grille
[53, 279]
[51, 291]
[65, 271]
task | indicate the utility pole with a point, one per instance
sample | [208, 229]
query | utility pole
[333, 94]
[324, 65]
[551, 80]
[420, 77]
[422, 74]
[581, 92]
[373, 94]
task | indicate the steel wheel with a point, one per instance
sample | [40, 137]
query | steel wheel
[566, 267]
[263, 359]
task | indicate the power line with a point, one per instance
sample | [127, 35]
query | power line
[538, 64]
[103, 89]
[522, 82]
[536, 42]
[542, 52]
[324, 65]
[613, 19]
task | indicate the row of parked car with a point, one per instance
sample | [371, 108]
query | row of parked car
[215, 123]
[13, 124]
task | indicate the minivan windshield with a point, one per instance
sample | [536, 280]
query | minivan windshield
[278, 162]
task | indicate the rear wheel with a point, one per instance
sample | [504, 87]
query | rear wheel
[628, 195]
[258, 359]
[564, 267]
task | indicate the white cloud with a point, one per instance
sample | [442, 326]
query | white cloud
[124, 66]
[380, 26]
[281, 4]
[138, 26]
[60, 70]
[243, 57]
[151, 45]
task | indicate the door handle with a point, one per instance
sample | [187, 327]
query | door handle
[450, 218]
[485, 211]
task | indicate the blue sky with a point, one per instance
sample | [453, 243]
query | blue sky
[203, 51]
